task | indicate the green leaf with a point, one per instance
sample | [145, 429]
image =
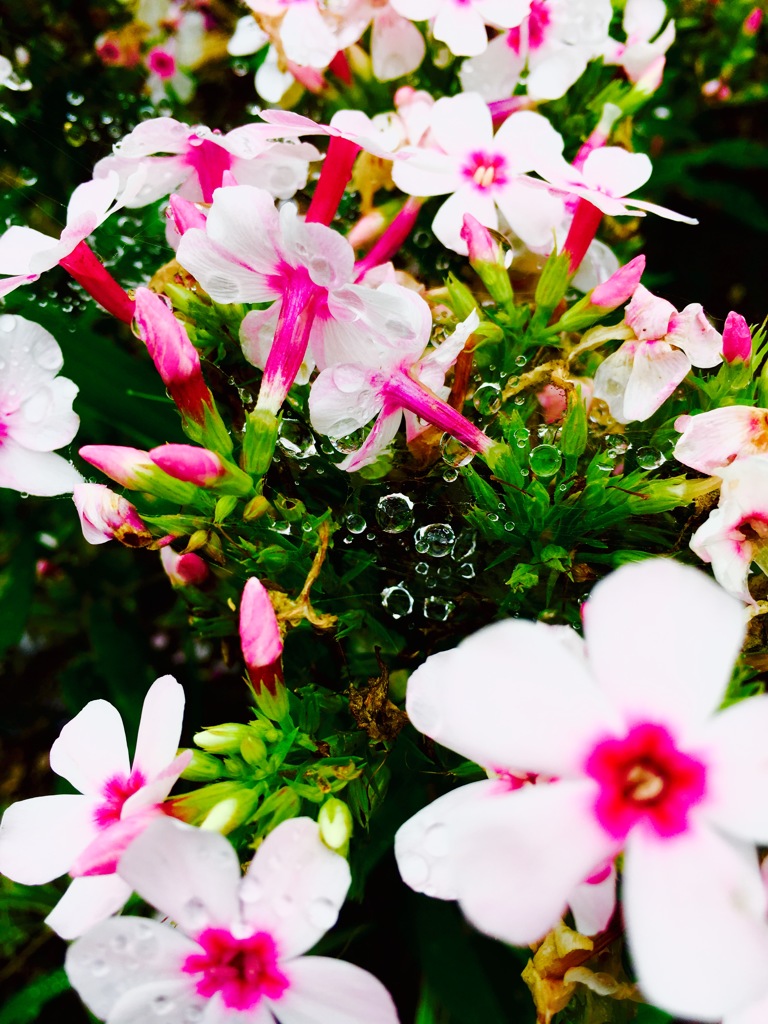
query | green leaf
[16, 586]
[24, 1007]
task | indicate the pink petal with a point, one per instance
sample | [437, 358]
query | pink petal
[380, 436]
[40, 838]
[187, 873]
[648, 315]
[424, 847]
[714, 439]
[657, 370]
[720, 542]
[662, 639]
[469, 700]
[91, 748]
[677, 914]
[327, 255]
[133, 953]
[324, 991]
[160, 727]
[521, 856]
[694, 334]
[86, 902]
[294, 887]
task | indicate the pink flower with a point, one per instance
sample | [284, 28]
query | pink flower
[735, 534]
[646, 44]
[201, 467]
[183, 570]
[460, 24]
[388, 380]
[36, 412]
[133, 468]
[310, 32]
[262, 645]
[640, 762]
[84, 835]
[191, 160]
[663, 345]
[236, 953]
[737, 339]
[105, 516]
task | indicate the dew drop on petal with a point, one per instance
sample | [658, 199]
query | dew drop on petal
[436, 839]
[649, 458]
[7, 323]
[322, 913]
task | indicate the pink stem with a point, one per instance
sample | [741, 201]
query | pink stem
[294, 325]
[392, 238]
[87, 269]
[336, 172]
[410, 394]
[583, 229]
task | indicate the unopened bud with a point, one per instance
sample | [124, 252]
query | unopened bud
[106, 516]
[737, 339]
[259, 441]
[222, 739]
[201, 467]
[335, 821]
[487, 260]
[262, 647]
[202, 768]
[183, 570]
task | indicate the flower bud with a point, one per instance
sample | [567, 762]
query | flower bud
[259, 442]
[184, 215]
[262, 647]
[133, 468]
[487, 260]
[222, 739]
[737, 339]
[183, 570]
[105, 516]
[202, 768]
[335, 821]
[231, 812]
[202, 467]
[618, 289]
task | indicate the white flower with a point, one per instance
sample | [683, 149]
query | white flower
[36, 414]
[236, 953]
[639, 761]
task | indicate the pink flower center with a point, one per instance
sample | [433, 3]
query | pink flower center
[485, 169]
[209, 162]
[537, 24]
[3, 432]
[644, 778]
[242, 970]
[161, 63]
[115, 792]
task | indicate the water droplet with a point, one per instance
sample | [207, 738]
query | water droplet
[195, 914]
[617, 444]
[467, 570]
[163, 1005]
[545, 460]
[436, 539]
[436, 839]
[75, 134]
[284, 904]
[421, 568]
[75, 99]
[322, 913]
[487, 399]
[7, 323]
[394, 513]
[444, 572]
[251, 889]
[437, 608]
[649, 458]
[464, 545]
[521, 360]
[36, 408]
[493, 517]
[521, 437]
[397, 600]
[454, 453]
[450, 475]
[119, 943]
[509, 526]
[355, 523]
[296, 440]
[193, 1014]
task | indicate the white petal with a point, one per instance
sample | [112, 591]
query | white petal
[616, 171]
[306, 37]
[530, 143]
[462, 123]
[223, 277]
[720, 542]
[41, 838]
[521, 856]
[643, 18]
[46, 420]
[160, 727]
[20, 247]
[397, 46]
[662, 639]
[754, 1013]
[31, 358]
[380, 436]
[657, 370]
[325, 991]
[257, 332]
[294, 887]
[509, 696]
[532, 213]
[342, 400]
[461, 28]
[553, 77]
[425, 172]
[690, 903]
[593, 903]
[187, 873]
[87, 902]
[42, 473]
[327, 255]
[494, 73]
[449, 219]
[91, 748]
[90, 203]
[714, 439]
[612, 378]
[125, 954]
[738, 772]
[694, 334]
[424, 847]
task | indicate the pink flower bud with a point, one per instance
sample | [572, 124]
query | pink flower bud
[105, 516]
[183, 570]
[620, 286]
[482, 247]
[184, 215]
[202, 467]
[133, 468]
[174, 355]
[752, 22]
[262, 647]
[737, 339]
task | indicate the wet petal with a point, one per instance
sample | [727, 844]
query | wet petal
[40, 838]
[324, 990]
[92, 748]
[86, 902]
[160, 727]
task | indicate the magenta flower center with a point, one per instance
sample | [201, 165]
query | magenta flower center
[209, 162]
[114, 793]
[644, 778]
[485, 169]
[242, 970]
[538, 23]
[161, 63]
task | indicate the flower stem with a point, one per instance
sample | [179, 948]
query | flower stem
[392, 238]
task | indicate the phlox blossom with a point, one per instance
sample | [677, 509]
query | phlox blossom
[236, 953]
[460, 24]
[646, 43]
[661, 347]
[84, 834]
[36, 414]
[714, 439]
[639, 760]
[312, 33]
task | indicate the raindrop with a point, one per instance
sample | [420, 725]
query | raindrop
[355, 523]
[437, 608]
[467, 570]
[75, 134]
[7, 323]
[464, 546]
[444, 572]
[36, 408]
[487, 399]
[119, 943]
[521, 437]
[284, 904]
[617, 444]
[296, 440]
[193, 1014]
[545, 460]
[521, 360]
[493, 517]
[649, 458]
[421, 568]
[251, 889]
[454, 452]
[397, 600]
[435, 839]
[322, 913]
[195, 914]
[394, 513]
[509, 526]
[436, 539]
[99, 968]
[450, 475]
[162, 1005]
[75, 99]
